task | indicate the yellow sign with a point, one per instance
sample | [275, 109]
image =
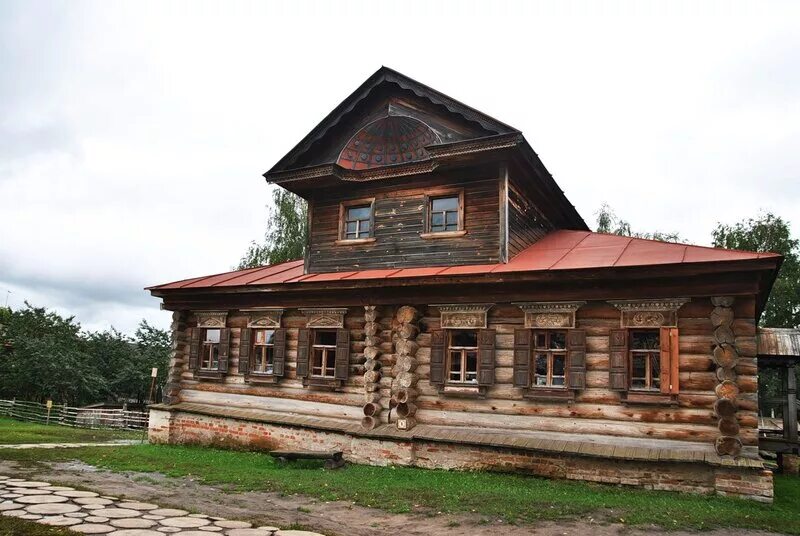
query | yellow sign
[49, 404]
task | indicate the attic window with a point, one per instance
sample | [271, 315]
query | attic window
[356, 222]
[444, 214]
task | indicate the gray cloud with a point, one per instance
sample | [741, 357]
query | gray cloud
[133, 135]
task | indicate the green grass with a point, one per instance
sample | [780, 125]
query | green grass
[513, 498]
[15, 432]
[12, 526]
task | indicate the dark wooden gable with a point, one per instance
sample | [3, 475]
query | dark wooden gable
[388, 93]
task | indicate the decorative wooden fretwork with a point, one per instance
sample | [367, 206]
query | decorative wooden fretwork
[264, 317]
[211, 319]
[464, 316]
[726, 356]
[324, 317]
[649, 313]
[550, 314]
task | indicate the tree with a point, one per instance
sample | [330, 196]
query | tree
[609, 222]
[770, 233]
[46, 358]
[44, 355]
[285, 238]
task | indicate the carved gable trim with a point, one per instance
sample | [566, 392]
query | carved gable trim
[264, 317]
[324, 317]
[550, 314]
[649, 313]
[464, 316]
[211, 319]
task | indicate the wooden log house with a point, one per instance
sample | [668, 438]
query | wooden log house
[453, 310]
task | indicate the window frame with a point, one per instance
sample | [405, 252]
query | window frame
[328, 361]
[550, 353]
[344, 206]
[430, 197]
[648, 388]
[267, 346]
[463, 350]
[211, 346]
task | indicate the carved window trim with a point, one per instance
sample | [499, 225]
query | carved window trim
[550, 315]
[324, 317]
[649, 313]
[464, 316]
[264, 317]
[211, 319]
[342, 239]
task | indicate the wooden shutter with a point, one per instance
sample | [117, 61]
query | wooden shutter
[486, 351]
[303, 342]
[522, 358]
[437, 357]
[194, 349]
[576, 358]
[224, 348]
[342, 363]
[618, 360]
[279, 352]
[244, 350]
[668, 339]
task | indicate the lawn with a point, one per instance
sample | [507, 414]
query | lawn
[514, 498]
[12, 526]
[15, 432]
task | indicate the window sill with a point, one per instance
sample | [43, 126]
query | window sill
[354, 241]
[443, 234]
[464, 391]
[261, 378]
[646, 398]
[208, 374]
[549, 394]
[323, 383]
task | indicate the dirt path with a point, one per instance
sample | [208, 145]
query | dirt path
[330, 518]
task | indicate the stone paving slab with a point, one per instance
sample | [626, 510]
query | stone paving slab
[86, 513]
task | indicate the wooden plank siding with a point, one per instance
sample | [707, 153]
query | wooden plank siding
[526, 224]
[595, 410]
[399, 211]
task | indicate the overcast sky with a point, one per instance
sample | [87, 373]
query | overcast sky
[133, 134]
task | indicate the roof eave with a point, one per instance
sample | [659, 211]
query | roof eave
[647, 271]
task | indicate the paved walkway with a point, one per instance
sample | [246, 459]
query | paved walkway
[115, 443]
[87, 512]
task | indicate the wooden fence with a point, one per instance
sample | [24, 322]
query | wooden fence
[76, 417]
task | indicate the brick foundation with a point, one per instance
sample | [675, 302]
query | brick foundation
[188, 428]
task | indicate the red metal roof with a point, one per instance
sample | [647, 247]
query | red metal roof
[559, 250]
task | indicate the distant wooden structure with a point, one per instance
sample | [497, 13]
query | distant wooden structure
[779, 348]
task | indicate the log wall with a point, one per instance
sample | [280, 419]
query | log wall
[595, 410]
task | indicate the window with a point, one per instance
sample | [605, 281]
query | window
[463, 357]
[356, 221]
[324, 354]
[210, 350]
[264, 351]
[444, 214]
[550, 359]
[645, 355]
